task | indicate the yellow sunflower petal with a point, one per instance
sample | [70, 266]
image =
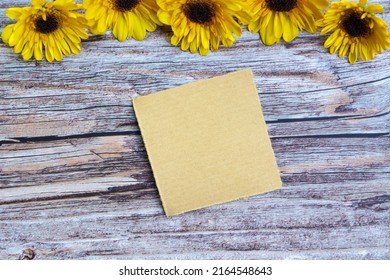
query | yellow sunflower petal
[328, 28]
[139, 30]
[275, 20]
[48, 54]
[101, 26]
[60, 36]
[268, 36]
[278, 30]
[14, 13]
[175, 40]
[363, 51]
[65, 47]
[27, 53]
[290, 30]
[205, 38]
[254, 26]
[38, 54]
[6, 34]
[331, 39]
[203, 51]
[124, 20]
[374, 8]
[56, 50]
[74, 47]
[38, 2]
[352, 57]
[362, 3]
[18, 48]
[202, 30]
[164, 16]
[321, 4]
[194, 46]
[214, 42]
[370, 38]
[343, 50]
[184, 44]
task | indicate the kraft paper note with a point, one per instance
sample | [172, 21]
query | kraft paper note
[207, 142]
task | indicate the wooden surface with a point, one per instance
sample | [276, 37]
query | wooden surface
[75, 182]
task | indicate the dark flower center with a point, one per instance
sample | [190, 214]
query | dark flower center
[281, 5]
[49, 25]
[199, 11]
[354, 25]
[125, 5]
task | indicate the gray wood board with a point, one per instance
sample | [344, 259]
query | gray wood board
[75, 182]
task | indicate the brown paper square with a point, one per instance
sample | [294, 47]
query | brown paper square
[207, 142]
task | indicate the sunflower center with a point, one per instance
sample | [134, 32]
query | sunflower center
[281, 5]
[49, 25]
[354, 25]
[125, 5]
[199, 11]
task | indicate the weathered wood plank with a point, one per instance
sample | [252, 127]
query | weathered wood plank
[133, 226]
[38, 165]
[91, 193]
[52, 114]
[134, 222]
[325, 243]
[92, 92]
[335, 193]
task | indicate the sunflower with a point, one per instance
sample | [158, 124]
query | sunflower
[275, 19]
[357, 31]
[200, 25]
[50, 27]
[126, 18]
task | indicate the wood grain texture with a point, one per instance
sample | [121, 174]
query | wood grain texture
[75, 182]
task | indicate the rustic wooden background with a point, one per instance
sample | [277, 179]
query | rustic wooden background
[75, 182]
